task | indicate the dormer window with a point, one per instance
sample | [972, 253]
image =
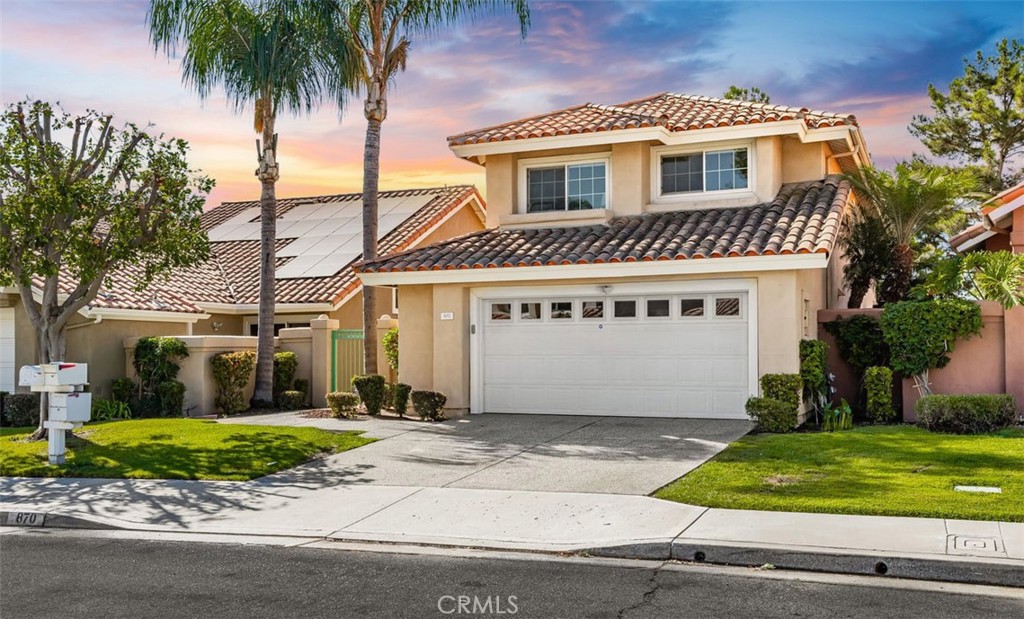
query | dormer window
[710, 170]
[565, 185]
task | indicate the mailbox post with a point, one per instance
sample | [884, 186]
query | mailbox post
[70, 406]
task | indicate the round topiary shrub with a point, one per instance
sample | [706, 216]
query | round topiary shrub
[231, 373]
[291, 400]
[371, 389]
[429, 404]
[771, 415]
[401, 393]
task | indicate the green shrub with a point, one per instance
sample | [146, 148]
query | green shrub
[429, 404]
[783, 387]
[878, 384]
[21, 409]
[285, 365]
[966, 414]
[860, 342]
[291, 400]
[814, 370]
[343, 403]
[389, 396]
[110, 410]
[769, 414]
[123, 390]
[302, 384]
[231, 373]
[400, 402]
[390, 342]
[371, 391]
[155, 360]
[172, 398]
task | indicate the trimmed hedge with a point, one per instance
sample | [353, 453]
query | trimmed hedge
[302, 384]
[878, 385]
[343, 403]
[400, 402]
[371, 390]
[771, 415]
[285, 365]
[231, 373]
[20, 410]
[966, 414]
[784, 388]
[429, 404]
[814, 371]
[291, 400]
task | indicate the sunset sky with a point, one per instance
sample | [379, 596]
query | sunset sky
[871, 59]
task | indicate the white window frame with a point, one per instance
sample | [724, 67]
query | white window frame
[525, 165]
[714, 306]
[658, 152]
[518, 315]
[604, 312]
[572, 309]
[677, 310]
[637, 306]
[646, 307]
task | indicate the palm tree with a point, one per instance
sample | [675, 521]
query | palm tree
[911, 199]
[867, 248]
[380, 32]
[275, 55]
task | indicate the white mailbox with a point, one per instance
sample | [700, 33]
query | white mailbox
[61, 374]
[70, 407]
[30, 376]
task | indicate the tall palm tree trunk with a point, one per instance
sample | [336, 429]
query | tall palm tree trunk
[371, 182]
[896, 286]
[263, 394]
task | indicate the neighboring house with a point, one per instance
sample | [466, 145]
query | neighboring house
[652, 258]
[319, 238]
[1001, 226]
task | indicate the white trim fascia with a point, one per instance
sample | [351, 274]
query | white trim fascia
[479, 296]
[998, 213]
[602, 271]
[109, 313]
[975, 241]
[248, 308]
[655, 134]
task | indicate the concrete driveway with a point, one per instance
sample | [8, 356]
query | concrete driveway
[614, 455]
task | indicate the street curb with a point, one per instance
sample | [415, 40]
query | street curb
[978, 570]
[50, 520]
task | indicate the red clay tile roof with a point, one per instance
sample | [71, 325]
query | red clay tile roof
[803, 218]
[671, 111]
[231, 276]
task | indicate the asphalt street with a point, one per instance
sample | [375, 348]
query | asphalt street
[43, 574]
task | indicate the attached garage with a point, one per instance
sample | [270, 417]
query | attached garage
[644, 350]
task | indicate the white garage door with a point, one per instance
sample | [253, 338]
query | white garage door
[7, 349]
[656, 355]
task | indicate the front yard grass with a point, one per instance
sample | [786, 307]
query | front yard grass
[172, 449]
[875, 470]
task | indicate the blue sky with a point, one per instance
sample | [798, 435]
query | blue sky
[872, 59]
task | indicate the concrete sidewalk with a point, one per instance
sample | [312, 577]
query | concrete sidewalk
[599, 524]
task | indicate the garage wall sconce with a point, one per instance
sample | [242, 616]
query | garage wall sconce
[605, 289]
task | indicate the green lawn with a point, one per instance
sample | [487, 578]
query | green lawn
[172, 449]
[878, 470]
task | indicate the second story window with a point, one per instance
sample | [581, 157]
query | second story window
[711, 170]
[567, 187]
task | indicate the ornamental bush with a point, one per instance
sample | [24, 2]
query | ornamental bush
[784, 388]
[390, 342]
[285, 365]
[21, 409]
[302, 384]
[814, 372]
[291, 400]
[860, 342]
[771, 415]
[921, 334]
[429, 404]
[343, 403]
[155, 360]
[172, 398]
[231, 373]
[400, 394]
[878, 384]
[123, 389]
[966, 414]
[371, 389]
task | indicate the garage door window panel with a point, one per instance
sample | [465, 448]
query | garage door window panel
[728, 307]
[561, 310]
[592, 310]
[691, 308]
[530, 311]
[625, 309]
[501, 312]
[659, 309]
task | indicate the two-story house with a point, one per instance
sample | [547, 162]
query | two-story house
[652, 258]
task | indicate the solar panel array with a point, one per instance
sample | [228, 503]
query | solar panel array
[327, 236]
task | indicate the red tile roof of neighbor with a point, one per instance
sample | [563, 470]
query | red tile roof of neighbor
[803, 218]
[670, 111]
[231, 275]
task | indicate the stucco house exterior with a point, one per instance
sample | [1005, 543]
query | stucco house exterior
[318, 241]
[651, 258]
